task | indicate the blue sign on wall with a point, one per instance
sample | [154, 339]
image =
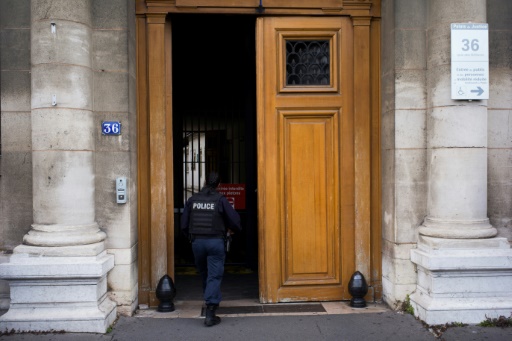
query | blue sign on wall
[111, 128]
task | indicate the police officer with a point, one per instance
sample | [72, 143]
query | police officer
[206, 220]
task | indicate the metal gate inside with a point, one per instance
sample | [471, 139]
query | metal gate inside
[214, 122]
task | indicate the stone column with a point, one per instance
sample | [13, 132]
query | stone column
[72, 263]
[62, 126]
[456, 137]
[464, 274]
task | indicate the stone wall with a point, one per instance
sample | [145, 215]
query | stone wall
[16, 159]
[15, 125]
[114, 95]
[499, 16]
[404, 175]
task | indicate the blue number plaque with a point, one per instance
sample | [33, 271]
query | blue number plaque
[111, 128]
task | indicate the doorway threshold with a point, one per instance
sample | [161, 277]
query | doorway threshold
[240, 298]
[250, 307]
[269, 309]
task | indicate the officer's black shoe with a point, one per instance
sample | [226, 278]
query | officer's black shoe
[211, 319]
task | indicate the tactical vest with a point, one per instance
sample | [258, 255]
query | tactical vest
[205, 218]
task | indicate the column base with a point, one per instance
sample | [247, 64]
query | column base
[58, 293]
[457, 229]
[464, 281]
[64, 235]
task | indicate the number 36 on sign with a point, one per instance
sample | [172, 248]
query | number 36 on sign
[111, 128]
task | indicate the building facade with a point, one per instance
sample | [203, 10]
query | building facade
[331, 122]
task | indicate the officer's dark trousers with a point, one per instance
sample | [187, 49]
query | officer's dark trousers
[209, 257]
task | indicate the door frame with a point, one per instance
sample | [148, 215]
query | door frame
[154, 132]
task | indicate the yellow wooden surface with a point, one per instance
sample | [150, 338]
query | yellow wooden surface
[309, 151]
[157, 139]
[266, 3]
[154, 155]
[169, 154]
[362, 115]
[300, 132]
[144, 245]
[271, 7]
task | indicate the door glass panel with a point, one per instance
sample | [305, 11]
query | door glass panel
[307, 62]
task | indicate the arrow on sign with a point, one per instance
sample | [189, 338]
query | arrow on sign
[479, 90]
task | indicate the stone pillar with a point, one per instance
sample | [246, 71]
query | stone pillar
[63, 258]
[464, 274]
[456, 137]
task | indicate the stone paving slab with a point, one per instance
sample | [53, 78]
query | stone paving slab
[384, 325]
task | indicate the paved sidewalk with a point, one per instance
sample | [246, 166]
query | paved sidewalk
[338, 322]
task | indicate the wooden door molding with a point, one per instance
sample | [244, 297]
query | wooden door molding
[376, 201]
[156, 228]
[362, 144]
[270, 7]
[331, 4]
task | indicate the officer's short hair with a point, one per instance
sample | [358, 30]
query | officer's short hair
[213, 180]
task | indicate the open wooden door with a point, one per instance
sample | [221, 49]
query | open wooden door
[305, 158]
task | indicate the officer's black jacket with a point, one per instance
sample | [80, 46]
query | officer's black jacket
[231, 217]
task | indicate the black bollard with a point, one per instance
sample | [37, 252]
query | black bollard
[165, 292]
[358, 288]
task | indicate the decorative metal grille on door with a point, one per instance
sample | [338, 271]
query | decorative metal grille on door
[307, 62]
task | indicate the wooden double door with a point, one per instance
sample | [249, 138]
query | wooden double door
[318, 170]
